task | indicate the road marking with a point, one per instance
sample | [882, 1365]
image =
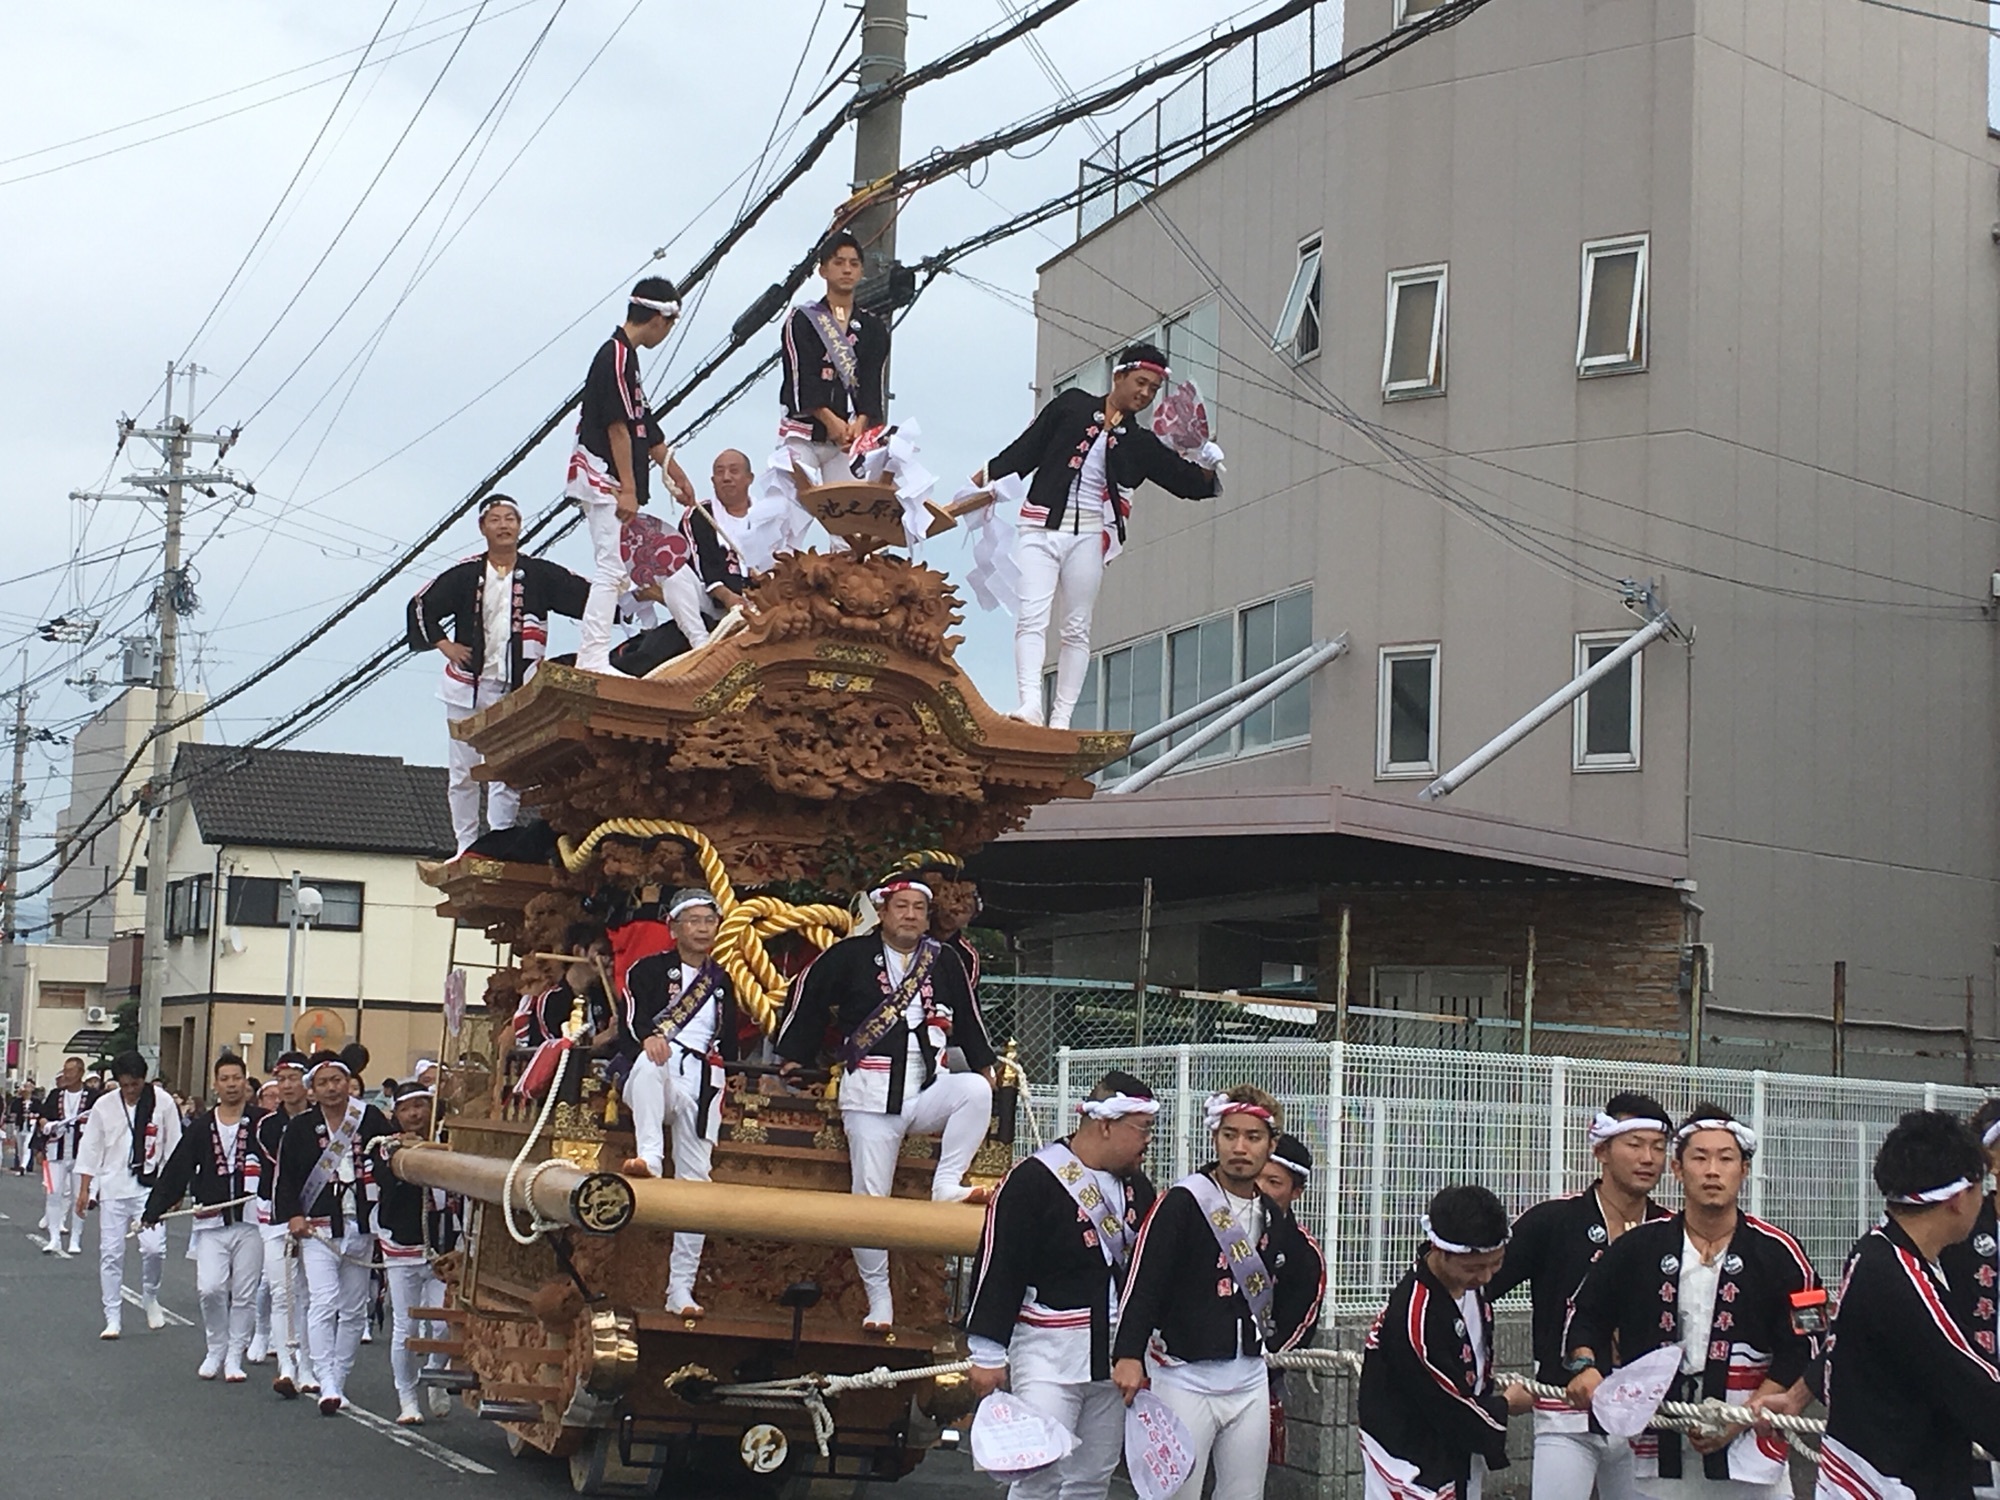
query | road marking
[171, 1316]
[416, 1442]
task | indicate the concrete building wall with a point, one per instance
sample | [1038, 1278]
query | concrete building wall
[1807, 464]
[58, 983]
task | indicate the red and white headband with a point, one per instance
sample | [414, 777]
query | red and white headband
[1934, 1195]
[1604, 1127]
[888, 888]
[1143, 364]
[1218, 1107]
[1117, 1107]
[330, 1062]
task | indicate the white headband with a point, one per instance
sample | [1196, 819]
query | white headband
[888, 888]
[665, 309]
[693, 898]
[1746, 1138]
[1451, 1248]
[1604, 1127]
[1934, 1195]
[1216, 1106]
[1291, 1166]
[331, 1062]
[1143, 364]
[1992, 1135]
[1117, 1107]
[422, 1063]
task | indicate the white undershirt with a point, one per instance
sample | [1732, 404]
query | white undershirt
[497, 617]
[1475, 1334]
[1697, 1297]
[228, 1135]
[898, 965]
[699, 1031]
[1223, 1377]
[1087, 504]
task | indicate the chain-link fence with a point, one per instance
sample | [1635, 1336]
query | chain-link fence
[1389, 1126]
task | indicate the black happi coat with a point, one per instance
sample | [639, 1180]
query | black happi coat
[1420, 1398]
[1053, 449]
[61, 1144]
[1971, 1267]
[1629, 1305]
[305, 1138]
[1907, 1393]
[843, 987]
[1180, 1285]
[541, 588]
[1037, 1236]
[811, 382]
[399, 1208]
[196, 1167]
[1552, 1248]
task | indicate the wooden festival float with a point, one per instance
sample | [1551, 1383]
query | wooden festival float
[784, 766]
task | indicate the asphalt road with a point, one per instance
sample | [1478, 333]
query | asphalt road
[85, 1418]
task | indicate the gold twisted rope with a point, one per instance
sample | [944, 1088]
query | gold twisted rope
[739, 942]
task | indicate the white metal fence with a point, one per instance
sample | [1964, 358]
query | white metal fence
[1409, 1121]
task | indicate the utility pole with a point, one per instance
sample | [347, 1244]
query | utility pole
[17, 809]
[878, 137]
[175, 439]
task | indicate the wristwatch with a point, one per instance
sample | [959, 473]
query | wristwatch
[1576, 1364]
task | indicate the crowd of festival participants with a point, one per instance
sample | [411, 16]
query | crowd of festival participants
[1094, 1295]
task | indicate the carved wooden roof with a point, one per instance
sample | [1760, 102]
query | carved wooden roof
[833, 731]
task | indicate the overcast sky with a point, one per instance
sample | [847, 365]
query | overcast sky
[455, 248]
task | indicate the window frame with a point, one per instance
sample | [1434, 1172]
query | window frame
[1307, 293]
[1434, 383]
[1582, 761]
[242, 886]
[1385, 768]
[1405, 16]
[1638, 324]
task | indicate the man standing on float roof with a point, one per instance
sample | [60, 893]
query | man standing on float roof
[1087, 454]
[616, 437]
[497, 605]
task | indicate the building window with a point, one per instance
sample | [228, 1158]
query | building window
[1611, 319]
[1201, 662]
[1088, 709]
[1298, 325]
[1132, 696]
[1192, 343]
[190, 906]
[1415, 10]
[1413, 345]
[1092, 375]
[139, 880]
[1406, 739]
[1271, 632]
[1606, 719]
[263, 901]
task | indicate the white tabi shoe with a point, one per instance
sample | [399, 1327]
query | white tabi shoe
[681, 1303]
[258, 1352]
[75, 1248]
[232, 1370]
[881, 1316]
[49, 1247]
[111, 1331]
[156, 1315]
[329, 1406]
[411, 1415]
[210, 1367]
[438, 1399]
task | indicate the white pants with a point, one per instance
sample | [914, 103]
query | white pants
[609, 582]
[228, 1260]
[1569, 1464]
[1230, 1433]
[114, 1217]
[682, 593]
[503, 803]
[24, 1140]
[285, 1280]
[960, 1105]
[1095, 1413]
[1695, 1485]
[412, 1284]
[655, 1092]
[1052, 561]
[59, 1182]
[337, 1271]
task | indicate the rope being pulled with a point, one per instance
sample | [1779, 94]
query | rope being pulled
[813, 1391]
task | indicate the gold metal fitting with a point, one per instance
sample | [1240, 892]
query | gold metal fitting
[611, 1354]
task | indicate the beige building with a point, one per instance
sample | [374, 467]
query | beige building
[1699, 294]
[371, 968]
[63, 1007]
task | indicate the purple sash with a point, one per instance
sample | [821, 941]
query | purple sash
[1114, 1235]
[880, 1021]
[839, 352]
[681, 1005]
[1246, 1266]
[338, 1143]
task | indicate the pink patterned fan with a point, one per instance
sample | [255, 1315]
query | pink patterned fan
[650, 550]
[1180, 420]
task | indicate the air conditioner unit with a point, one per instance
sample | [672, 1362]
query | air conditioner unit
[96, 1015]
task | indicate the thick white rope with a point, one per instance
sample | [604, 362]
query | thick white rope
[537, 1226]
[132, 1232]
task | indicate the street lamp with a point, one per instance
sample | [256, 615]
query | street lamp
[307, 904]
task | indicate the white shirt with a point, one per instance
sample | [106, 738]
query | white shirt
[496, 608]
[229, 1135]
[1697, 1298]
[106, 1154]
[1475, 1333]
[1090, 501]
[699, 1032]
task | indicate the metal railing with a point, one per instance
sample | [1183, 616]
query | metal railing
[1391, 1125]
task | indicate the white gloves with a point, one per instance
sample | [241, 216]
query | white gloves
[1209, 455]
